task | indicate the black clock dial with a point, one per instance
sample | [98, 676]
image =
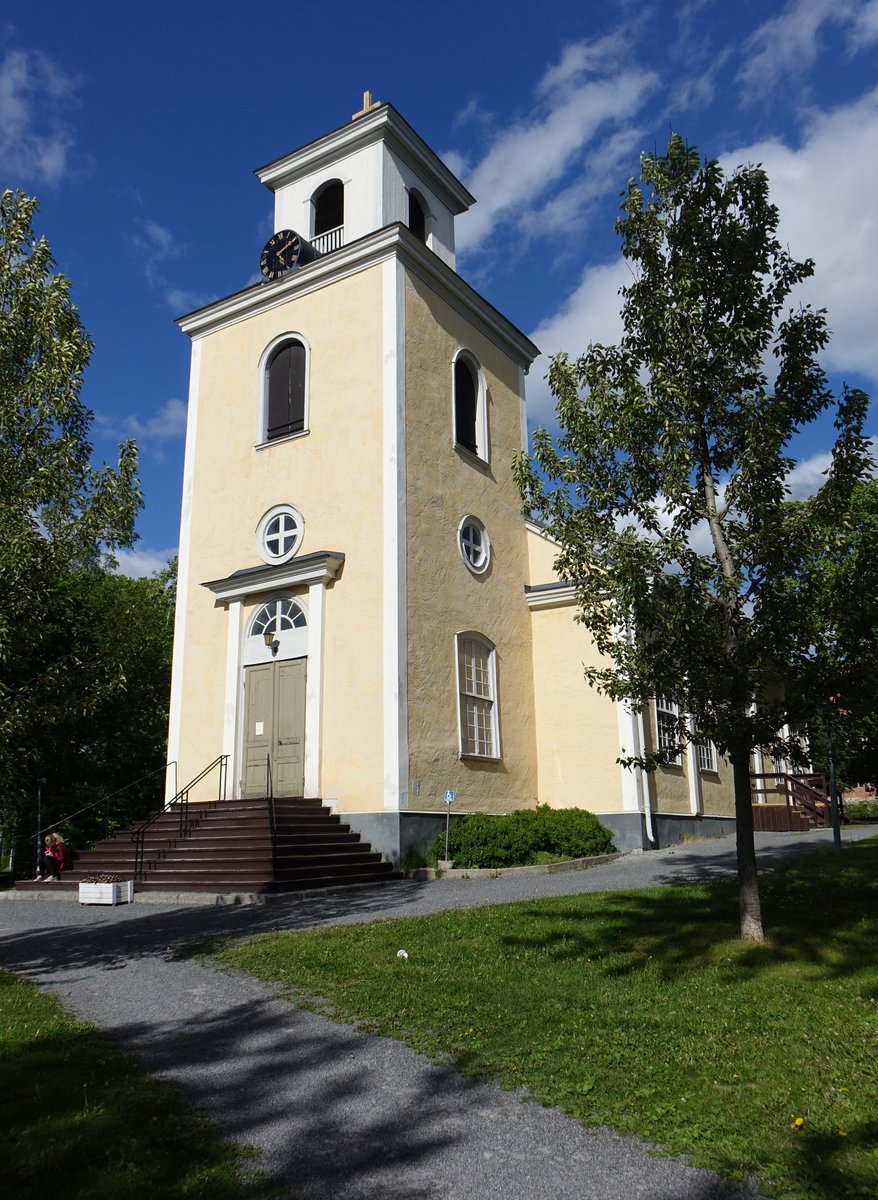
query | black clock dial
[280, 254]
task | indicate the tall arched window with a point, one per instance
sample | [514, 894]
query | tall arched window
[284, 405]
[417, 217]
[470, 406]
[477, 696]
[329, 207]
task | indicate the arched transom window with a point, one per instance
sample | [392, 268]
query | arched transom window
[277, 616]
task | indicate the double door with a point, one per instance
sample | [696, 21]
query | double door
[274, 728]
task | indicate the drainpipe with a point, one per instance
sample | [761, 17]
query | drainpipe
[642, 785]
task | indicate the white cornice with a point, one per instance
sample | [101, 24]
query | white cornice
[561, 595]
[382, 124]
[359, 256]
[298, 572]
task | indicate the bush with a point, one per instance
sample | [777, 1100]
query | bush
[861, 810]
[523, 837]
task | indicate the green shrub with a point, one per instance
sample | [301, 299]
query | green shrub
[519, 839]
[861, 810]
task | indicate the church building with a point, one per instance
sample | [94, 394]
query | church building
[363, 613]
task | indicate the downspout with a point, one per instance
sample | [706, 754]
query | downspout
[641, 785]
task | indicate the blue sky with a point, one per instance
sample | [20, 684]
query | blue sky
[138, 129]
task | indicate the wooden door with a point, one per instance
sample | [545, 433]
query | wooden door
[274, 725]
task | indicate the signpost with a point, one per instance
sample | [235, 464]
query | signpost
[449, 800]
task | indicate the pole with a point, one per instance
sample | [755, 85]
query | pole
[449, 800]
[38, 846]
[833, 797]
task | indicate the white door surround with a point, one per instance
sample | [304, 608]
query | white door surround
[314, 571]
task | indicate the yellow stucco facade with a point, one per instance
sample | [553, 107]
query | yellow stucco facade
[379, 487]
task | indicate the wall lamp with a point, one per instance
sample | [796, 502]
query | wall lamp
[271, 641]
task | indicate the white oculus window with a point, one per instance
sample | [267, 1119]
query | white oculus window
[667, 721]
[706, 756]
[477, 692]
[470, 406]
[474, 544]
[279, 533]
[277, 616]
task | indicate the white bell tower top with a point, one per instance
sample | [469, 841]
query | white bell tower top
[373, 172]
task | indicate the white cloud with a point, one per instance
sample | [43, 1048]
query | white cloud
[865, 28]
[823, 191]
[788, 45]
[154, 246]
[591, 89]
[808, 476]
[166, 424]
[35, 98]
[590, 314]
[183, 301]
[141, 561]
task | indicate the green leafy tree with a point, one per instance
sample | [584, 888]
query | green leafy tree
[843, 584]
[666, 488]
[58, 512]
[121, 628]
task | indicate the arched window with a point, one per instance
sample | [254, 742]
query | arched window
[329, 207]
[477, 697]
[277, 616]
[470, 408]
[284, 402]
[417, 217]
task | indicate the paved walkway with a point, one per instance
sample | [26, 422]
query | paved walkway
[338, 1114]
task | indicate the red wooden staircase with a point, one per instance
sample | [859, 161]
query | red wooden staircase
[256, 845]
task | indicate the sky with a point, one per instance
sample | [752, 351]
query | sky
[138, 129]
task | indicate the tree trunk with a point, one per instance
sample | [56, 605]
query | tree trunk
[748, 881]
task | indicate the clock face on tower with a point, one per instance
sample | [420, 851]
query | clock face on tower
[280, 254]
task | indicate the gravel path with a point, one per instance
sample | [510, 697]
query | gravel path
[338, 1114]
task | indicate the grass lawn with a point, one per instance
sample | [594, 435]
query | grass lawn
[643, 1011]
[81, 1120]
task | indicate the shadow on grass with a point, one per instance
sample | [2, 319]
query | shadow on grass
[836, 1165]
[80, 1119]
[820, 912]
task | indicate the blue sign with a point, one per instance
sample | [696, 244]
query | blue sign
[449, 796]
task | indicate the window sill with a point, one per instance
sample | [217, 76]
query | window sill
[278, 441]
[472, 458]
[492, 758]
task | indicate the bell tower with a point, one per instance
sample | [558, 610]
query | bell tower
[373, 172]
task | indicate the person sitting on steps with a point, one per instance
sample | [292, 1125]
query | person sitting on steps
[54, 859]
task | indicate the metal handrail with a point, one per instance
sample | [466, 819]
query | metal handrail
[102, 800]
[138, 837]
[269, 791]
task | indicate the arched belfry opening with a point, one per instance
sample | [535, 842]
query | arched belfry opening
[329, 207]
[417, 217]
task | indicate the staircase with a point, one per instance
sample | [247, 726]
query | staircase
[785, 803]
[230, 848]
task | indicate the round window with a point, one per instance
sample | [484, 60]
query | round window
[475, 548]
[280, 533]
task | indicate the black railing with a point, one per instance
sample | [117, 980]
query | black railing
[269, 792]
[37, 837]
[138, 837]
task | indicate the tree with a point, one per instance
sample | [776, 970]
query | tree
[58, 513]
[121, 629]
[844, 585]
[666, 489]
